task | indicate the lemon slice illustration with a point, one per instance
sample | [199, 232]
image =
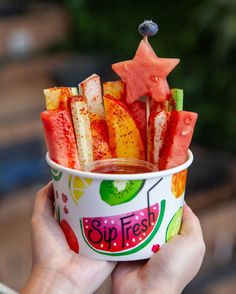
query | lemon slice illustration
[77, 187]
[174, 225]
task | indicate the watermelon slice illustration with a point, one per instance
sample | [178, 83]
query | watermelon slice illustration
[123, 234]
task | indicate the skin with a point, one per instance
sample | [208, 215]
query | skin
[57, 269]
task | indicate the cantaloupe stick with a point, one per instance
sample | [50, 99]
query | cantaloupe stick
[116, 89]
[124, 136]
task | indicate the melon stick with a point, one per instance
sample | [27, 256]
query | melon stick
[91, 89]
[176, 101]
[158, 126]
[177, 139]
[81, 122]
[60, 137]
[57, 97]
[124, 137]
[116, 89]
[61, 145]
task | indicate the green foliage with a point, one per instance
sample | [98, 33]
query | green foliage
[201, 33]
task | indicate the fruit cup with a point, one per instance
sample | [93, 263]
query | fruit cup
[119, 216]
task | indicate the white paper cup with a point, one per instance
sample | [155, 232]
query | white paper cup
[119, 216]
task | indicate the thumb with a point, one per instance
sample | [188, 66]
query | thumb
[190, 223]
[43, 205]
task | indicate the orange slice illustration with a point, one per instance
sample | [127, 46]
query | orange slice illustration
[178, 183]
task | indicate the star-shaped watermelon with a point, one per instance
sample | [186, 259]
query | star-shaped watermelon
[145, 74]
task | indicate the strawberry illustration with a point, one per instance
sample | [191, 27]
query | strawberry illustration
[64, 197]
[65, 209]
[155, 248]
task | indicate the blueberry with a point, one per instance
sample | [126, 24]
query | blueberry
[148, 28]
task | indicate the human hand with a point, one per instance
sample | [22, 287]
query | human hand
[170, 269]
[56, 268]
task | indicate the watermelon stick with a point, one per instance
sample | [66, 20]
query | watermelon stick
[176, 100]
[148, 199]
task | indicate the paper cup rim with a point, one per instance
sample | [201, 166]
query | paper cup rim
[141, 176]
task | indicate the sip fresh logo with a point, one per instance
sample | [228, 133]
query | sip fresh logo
[126, 233]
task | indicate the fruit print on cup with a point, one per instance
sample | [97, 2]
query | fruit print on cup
[123, 234]
[174, 225]
[178, 183]
[56, 174]
[119, 230]
[118, 192]
[156, 248]
[77, 187]
[70, 236]
[65, 200]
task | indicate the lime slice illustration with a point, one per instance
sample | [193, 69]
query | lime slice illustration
[77, 187]
[174, 225]
[56, 174]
